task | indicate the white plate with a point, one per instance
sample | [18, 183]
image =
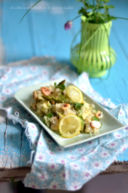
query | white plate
[109, 122]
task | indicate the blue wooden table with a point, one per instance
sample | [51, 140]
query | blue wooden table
[42, 33]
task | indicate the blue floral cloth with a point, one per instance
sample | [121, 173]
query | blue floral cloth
[52, 166]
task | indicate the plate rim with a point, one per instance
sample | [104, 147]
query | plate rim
[47, 129]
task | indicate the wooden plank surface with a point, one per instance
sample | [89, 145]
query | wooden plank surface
[16, 174]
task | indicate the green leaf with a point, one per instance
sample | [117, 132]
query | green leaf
[83, 12]
[91, 6]
[83, 18]
[95, 119]
[86, 4]
[105, 1]
[108, 6]
[49, 115]
[78, 106]
[55, 84]
[99, 7]
[61, 85]
[97, 11]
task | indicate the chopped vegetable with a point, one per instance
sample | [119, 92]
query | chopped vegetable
[65, 110]
[99, 114]
[78, 106]
[35, 95]
[66, 106]
[46, 91]
[49, 115]
[61, 85]
[95, 124]
[55, 84]
[95, 118]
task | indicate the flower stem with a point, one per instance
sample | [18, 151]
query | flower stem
[38, 1]
[76, 17]
[125, 18]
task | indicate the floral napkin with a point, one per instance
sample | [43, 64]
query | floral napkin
[52, 166]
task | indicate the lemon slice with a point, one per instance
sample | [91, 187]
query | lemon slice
[70, 126]
[74, 94]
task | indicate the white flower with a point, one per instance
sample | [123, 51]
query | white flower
[44, 176]
[2, 98]
[97, 164]
[75, 186]
[64, 175]
[4, 77]
[74, 166]
[104, 154]
[19, 72]
[72, 157]
[54, 185]
[53, 166]
[81, 149]
[112, 145]
[40, 157]
[84, 159]
[33, 68]
[7, 91]
[87, 175]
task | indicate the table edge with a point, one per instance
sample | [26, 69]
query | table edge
[17, 174]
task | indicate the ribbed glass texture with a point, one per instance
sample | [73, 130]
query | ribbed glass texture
[93, 54]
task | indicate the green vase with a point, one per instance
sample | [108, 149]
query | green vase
[93, 54]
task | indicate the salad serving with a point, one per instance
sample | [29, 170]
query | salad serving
[64, 109]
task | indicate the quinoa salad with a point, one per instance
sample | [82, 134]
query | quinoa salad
[64, 110]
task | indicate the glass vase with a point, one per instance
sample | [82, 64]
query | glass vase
[93, 54]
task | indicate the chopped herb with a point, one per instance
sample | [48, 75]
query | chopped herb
[55, 84]
[82, 122]
[61, 85]
[78, 106]
[95, 119]
[49, 115]
[62, 82]
[43, 119]
[62, 98]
